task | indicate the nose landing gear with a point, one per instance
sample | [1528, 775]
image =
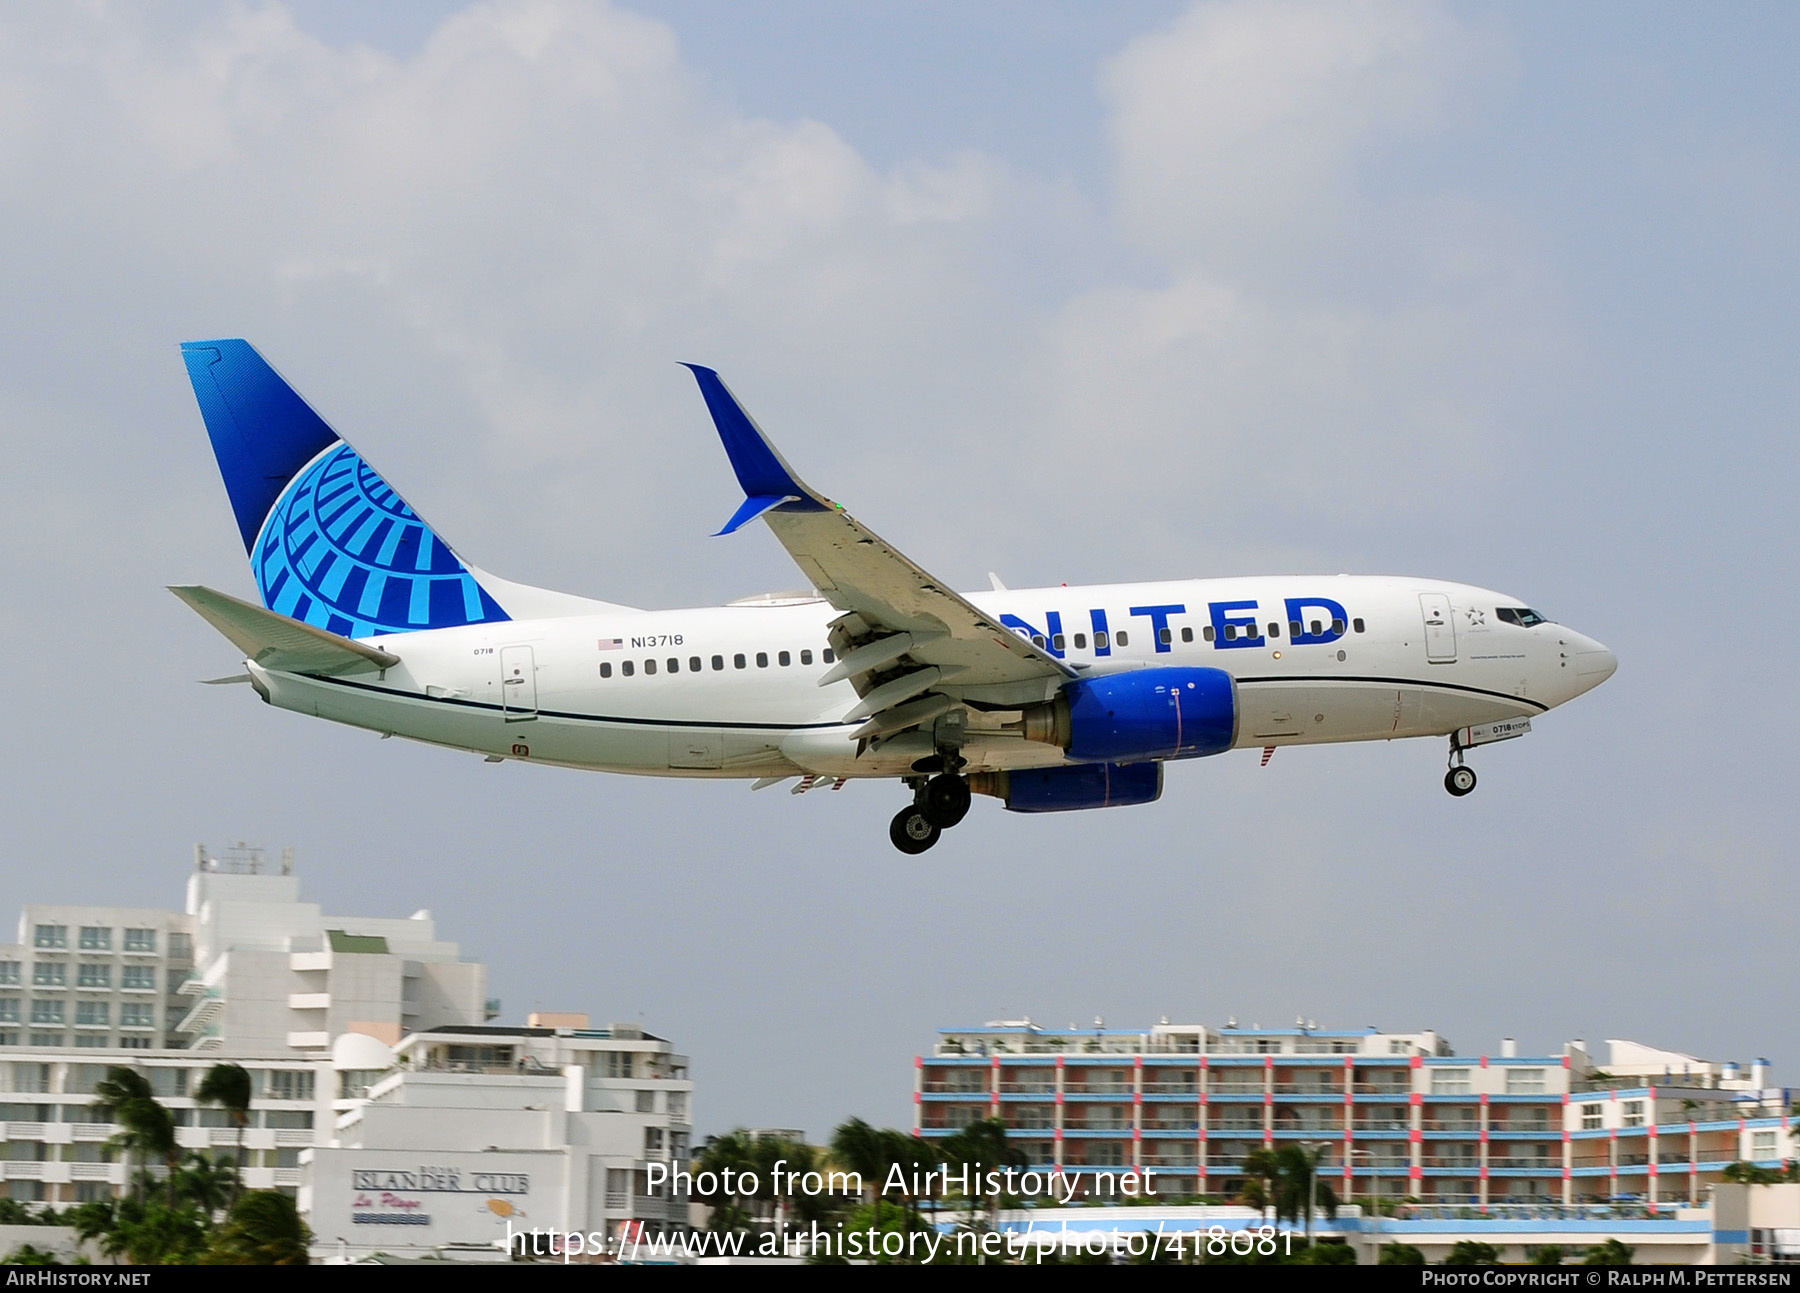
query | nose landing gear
[1460, 780]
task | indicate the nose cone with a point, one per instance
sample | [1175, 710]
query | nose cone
[1594, 664]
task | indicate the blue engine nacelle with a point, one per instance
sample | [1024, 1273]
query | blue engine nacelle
[1140, 714]
[1061, 790]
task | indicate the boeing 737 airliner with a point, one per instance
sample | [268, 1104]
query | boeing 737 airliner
[1049, 699]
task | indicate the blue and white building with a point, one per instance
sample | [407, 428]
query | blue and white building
[1391, 1115]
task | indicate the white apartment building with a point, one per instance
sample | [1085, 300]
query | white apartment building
[458, 1137]
[367, 1043]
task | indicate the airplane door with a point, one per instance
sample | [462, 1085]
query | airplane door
[1440, 628]
[518, 684]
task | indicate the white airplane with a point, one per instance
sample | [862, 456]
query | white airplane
[1050, 699]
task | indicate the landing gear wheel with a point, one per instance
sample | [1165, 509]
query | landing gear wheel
[946, 800]
[1459, 781]
[912, 832]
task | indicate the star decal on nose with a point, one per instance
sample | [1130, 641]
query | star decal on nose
[1476, 618]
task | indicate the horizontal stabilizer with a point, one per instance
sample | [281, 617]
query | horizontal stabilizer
[276, 641]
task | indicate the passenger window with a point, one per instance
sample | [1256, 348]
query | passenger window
[693, 664]
[718, 662]
[1207, 633]
[627, 668]
[738, 660]
[1231, 633]
[762, 659]
[1099, 641]
[674, 664]
[1081, 641]
[1293, 628]
[1274, 629]
[829, 655]
[1165, 637]
[1357, 624]
[649, 666]
[1058, 641]
[784, 659]
[605, 670]
[806, 657]
[1037, 639]
[1317, 628]
[1123, 638]
[1187, 635]
[1337, 627]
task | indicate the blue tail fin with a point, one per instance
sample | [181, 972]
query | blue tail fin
[330, 542]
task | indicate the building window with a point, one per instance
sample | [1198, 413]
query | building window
[618, 1189]
[140, 940]
[47, 1039]
[139, 1043]
[646, 1102]
[678, 1104]
[1450, 1081]
[1762, 1145]
[290, 1084]
[46, 1012]
[96, 938]
[92, 1014]
[9, 1010]
[1524, 1081]
[1633, 1114]
[181, 947]
[50, 974]
[9, 971]
[1591, 1117]
[92, 1039]
[615, 1064]
[138, 976]
[50, 936]
[137, 1015]
[93, 976]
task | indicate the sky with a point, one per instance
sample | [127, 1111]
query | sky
[1504, 295]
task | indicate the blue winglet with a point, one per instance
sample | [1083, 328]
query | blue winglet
[768, 481]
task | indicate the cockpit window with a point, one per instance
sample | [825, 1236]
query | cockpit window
[1520, 615]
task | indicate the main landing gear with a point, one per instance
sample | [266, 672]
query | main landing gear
[1460, 780]
[939, 803]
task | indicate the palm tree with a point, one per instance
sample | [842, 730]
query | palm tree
[858, 1147]
[209, 1182]
[125, 1098]
[264, 1229]
[228, 1086]
[982, 1147]
[1262, 1169]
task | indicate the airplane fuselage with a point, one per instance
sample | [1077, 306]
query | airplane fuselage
[733, 691]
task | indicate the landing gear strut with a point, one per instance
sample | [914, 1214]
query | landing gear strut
[1460, 780]
[938, 804]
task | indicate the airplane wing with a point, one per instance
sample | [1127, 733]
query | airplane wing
[275, 641]
[908, 643]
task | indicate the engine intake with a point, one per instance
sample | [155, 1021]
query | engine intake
[1139, 715]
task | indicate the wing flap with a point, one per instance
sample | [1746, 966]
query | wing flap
[276, 641]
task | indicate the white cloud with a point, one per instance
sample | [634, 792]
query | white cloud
[1240, 127]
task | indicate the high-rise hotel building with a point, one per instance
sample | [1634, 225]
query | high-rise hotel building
[1389, 1114]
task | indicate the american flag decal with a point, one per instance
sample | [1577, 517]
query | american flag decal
[611, 644]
